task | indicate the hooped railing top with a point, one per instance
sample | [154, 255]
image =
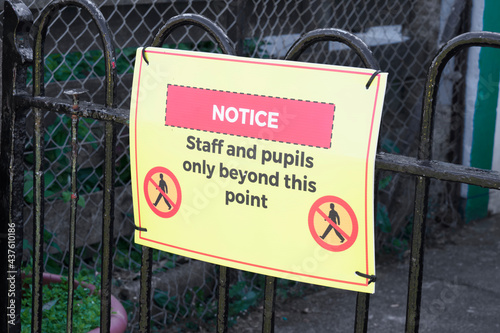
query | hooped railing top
[200, 21]
[334, 35]
[492, 180]
[40, 32]
[17, 99]
[41, 26]
[447, 51]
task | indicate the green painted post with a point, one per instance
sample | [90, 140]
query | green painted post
[484, 113]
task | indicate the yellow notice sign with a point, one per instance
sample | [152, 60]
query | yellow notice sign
[260, 165]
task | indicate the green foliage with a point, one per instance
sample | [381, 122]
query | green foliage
[51, 261]
[86, 309]
[204, 46]
[251, 46]
[396, 243]
[383, 221]
[244, 295]
[389, 146]
[128, 255]
[384, 182]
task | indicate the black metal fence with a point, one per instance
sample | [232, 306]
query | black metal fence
[403, 36]
[23, 50]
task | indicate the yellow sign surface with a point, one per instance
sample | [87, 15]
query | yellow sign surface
[260, 165]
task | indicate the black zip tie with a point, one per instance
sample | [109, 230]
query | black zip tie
[146, 59]
[139, 228]
[370, 80]
[372, 278]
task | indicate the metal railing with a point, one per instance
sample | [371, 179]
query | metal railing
[18, 55]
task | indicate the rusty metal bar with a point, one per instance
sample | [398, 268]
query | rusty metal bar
[107, 225]
[38, 223]
[145, 290]
[223, 299]
[72, 223]
[384, 161]
[85, 110]
[448, 50]
[38, 192]
[269, 303]
[438, 170]
[73, 209]
[17, 55]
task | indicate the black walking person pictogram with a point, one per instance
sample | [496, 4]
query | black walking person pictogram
[334, 216]
[163, 186]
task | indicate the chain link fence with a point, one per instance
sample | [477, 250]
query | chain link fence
[404, 35]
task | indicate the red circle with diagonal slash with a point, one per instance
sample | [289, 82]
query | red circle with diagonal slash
[318, 221]
[152, 191]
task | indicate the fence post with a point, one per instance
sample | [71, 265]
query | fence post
[450, 49]
[16, 56]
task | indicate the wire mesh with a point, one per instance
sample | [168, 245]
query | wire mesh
[403, 35]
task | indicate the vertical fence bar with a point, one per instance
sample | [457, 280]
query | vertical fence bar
[145, 290]
[38, 220]
[110, 139]
[72, 226]
[269, 302]
[242, 10]
[109, 168]
[223, 299]
[38, 183]
[363, 299]
[17, 20]
[107, 225]
[362, 307]
[223, 280]
[366, 56]
[436, 68]
[108, 192]
[417, 256]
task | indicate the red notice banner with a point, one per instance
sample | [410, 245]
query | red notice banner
[262, 117]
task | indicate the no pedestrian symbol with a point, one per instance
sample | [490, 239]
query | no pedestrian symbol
[162, 192]
[333, 224]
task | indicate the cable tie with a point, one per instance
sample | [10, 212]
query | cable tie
[146, 59]
[140, 229]
[372, 278]
[370, 80]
